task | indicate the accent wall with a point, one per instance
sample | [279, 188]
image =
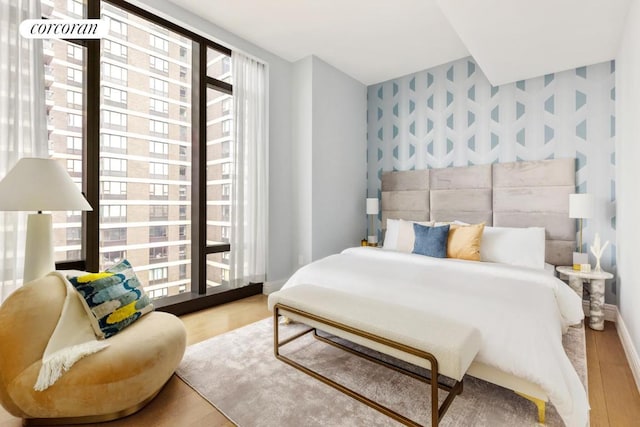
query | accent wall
[451, 115]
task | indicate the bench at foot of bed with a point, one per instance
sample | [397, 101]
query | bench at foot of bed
[439, 344]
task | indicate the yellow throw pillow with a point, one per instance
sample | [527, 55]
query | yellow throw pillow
[464, 241]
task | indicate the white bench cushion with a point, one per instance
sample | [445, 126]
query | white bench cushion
[453, 344]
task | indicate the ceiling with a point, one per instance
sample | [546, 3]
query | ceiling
[377, 40]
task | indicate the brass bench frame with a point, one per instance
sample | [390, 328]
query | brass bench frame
[436, 412]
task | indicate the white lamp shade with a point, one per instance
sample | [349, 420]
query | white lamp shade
[580, 205]
[372, 206]
[40, 185]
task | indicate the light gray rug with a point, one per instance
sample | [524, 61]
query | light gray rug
[238, 373]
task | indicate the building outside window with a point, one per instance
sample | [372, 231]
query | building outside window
[143, 165]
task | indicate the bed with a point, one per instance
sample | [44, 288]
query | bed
[520, 311]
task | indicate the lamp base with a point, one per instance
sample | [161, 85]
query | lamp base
[372, 240]
[578, 259]
[38, 256]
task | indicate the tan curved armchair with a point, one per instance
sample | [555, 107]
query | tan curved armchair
[110, 384]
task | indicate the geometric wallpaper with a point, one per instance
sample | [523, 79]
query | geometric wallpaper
[450, 115]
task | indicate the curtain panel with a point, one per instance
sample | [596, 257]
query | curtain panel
[23, 131]
[250, 178]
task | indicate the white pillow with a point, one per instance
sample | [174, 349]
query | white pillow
[391, 235]
[400, 235]
[516, 246]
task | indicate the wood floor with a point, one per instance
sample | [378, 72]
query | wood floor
[614, 397]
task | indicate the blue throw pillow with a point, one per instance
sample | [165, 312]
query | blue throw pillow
[431, 241]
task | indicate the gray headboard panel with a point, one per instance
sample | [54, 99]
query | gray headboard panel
[405, 195]
[462, 194]
[536, 194]
[519, 194]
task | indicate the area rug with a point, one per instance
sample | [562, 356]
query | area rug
[239, 375]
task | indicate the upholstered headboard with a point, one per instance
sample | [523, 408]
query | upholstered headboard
[518, 194]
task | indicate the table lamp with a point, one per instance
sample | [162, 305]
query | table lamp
[39, 185]
[580, 207]
[373, 208]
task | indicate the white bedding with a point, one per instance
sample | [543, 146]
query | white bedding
[520, 312]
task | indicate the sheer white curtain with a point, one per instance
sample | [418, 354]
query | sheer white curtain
[250, 179]
[23, 131]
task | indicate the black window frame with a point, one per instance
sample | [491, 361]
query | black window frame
[200, 296]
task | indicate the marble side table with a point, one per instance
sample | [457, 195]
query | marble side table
[595, 279]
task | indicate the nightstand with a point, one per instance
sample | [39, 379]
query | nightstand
[595, 279]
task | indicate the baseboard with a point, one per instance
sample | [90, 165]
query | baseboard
[271, 287]
[629, 349]
[610, 311]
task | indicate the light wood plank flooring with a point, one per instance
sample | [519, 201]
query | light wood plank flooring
[614, 397]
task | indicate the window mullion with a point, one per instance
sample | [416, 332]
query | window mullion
[92, 145]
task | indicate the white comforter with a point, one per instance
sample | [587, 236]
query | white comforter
[520, 312]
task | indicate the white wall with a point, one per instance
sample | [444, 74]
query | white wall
[339, 160]
[302, 148]
[329, 130]
[627, 172]
[281, 258]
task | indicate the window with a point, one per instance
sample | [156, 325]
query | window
[226, 127]
[156, 126]
[74, 52]
[74, 167]
[74, 235]
[158, 106]
[111, 166]
[74, 120]
[158, 212]
[226, 170]
[158, 293]
[115, 73]
[74, 76]
[113, 213]
[113, 236]
[131, 92]
[158, 43]
[116, 50]
[113, 189]
[158, 86]
[158, 191]
[74, 143]
[159, 169]
[157, 232]
[158, 254]
[112, 258]
[74, 99]
[117, 28]
[114, 120]
[158, 148]
[114, 143]
[114, 96]
[158, 64]
[226, 106]
[75, 7]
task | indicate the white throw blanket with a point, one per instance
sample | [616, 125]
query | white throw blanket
[520, 312]
[72, 339]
